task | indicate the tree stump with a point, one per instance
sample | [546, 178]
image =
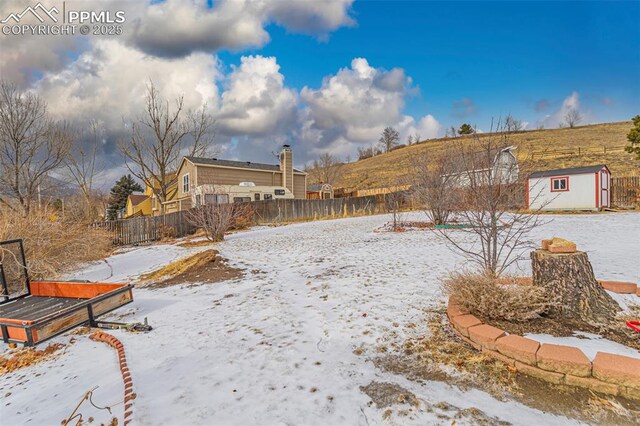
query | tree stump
[570, 281]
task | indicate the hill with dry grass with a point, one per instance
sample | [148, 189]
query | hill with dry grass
[536, 150]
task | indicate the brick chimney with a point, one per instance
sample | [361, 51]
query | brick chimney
[286, 166]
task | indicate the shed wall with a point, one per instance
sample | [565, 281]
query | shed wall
[580, 196]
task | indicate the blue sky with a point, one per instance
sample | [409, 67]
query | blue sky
[326, 76]
[521, 58]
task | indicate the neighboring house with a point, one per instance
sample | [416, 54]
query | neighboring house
[576, 188]
[202, 176]
[172, 191]
[499, 166]
[137, 205]
[320, 191]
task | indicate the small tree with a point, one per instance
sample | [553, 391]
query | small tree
[572, 117]
[489, 205]
[83, 166]
[326, 169]
[31, 147]
[215, 219]
[634, 138]
[394, 201]
[466, 129]
[512, 124]
[434, 184]
[119, 193]
[389, 138]
[410, 140]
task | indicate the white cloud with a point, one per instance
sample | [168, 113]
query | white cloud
[178, 27]
[110, 82]
[255, 100]
[351, 108]
[571, 102]
[171, 28]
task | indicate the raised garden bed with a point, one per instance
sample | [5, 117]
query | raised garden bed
[608, 373]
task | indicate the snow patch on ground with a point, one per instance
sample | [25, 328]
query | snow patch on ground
[588, 343]
[276, 347]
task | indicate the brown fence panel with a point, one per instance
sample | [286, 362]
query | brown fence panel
[625, 191]
[145, 229]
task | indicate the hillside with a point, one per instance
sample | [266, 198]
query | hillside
[536, 150]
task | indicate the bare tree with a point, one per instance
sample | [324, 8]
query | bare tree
[497, 232]
[572, 117]
[364, 153]
[31, 146]
[411, 139]
[161, 137]
[394, 201]
[83, 167]
[326, 169]
[215, 219]
[389, 138]
[434, 184]
[512, 124]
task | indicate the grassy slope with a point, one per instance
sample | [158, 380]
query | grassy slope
[537, 150]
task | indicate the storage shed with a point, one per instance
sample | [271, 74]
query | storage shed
[320, 191]
[576, 188]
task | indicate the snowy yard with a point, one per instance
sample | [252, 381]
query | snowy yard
[277, 347]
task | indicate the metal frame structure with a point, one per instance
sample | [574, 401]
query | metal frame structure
[3, 278]
[28, 328]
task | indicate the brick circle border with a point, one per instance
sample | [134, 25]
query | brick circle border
[129, 396]
[608, 373]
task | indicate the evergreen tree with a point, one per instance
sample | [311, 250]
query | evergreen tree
[466, 129]
[118, 195]
[634, 137]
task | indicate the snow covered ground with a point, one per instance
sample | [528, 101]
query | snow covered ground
[276, 347]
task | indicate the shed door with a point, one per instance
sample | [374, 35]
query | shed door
[604, 189]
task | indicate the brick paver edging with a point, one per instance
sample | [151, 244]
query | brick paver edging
[129, 396]
[607, 373]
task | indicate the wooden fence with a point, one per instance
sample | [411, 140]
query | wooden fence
[146, 228]
[625, 191]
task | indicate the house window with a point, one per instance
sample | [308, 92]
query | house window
[560, 184]
[185, 183]
[241, 199]
[279, 192]
[256, 197]
[268, 197]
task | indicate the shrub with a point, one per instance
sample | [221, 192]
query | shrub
[52, 245]
[483, 295]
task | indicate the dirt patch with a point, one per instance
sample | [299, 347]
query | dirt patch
[206, 267]
[444, 357]
[394, 399]
[387, 394]
[26, 357]
[404, 226]
[199, 243]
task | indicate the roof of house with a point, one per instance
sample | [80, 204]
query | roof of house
[317, 187]
[237, 164]
[137, 198]
[569, 171]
